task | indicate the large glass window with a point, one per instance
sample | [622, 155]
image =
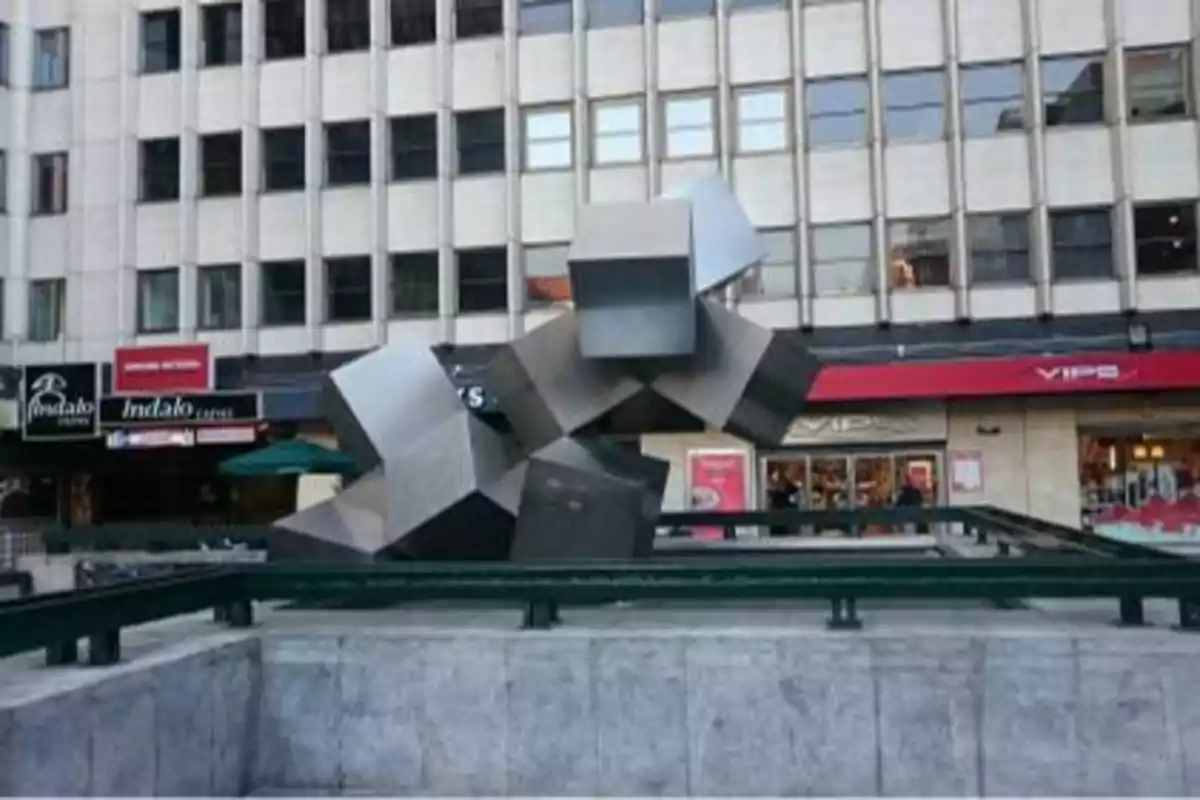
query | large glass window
[283, 159]
[222, 24]
[414, 284]
[999, 247]
[221, 164]
[414, 147]
[5, 53]
[219, 297]
[1158, 83]
[762, 119]
[544, 16]
[348, 289]
[483, 280]
[914, 105]
[838, 111]
[548, 142]
[843, 259]
[51, 58]
[689, 126]
[776, 275]
[283, 293]
[1081, 242]
[347, 153]
[617, 128]
[993, 98]
[473, 18]
[413, 22]
[1166, 238]
[614, 13]
[49, 186]
[836, 481]
[159, 167]
[480, 141]
[1141, 483]
[919, 253]
[158, 300]
[283, 28]
[546, 279]
[160, 41]
[47, 307]
[347, 25]
[1073, 89]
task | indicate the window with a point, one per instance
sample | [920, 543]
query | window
[613, 13]
[1158, 83]
[347, 25]
[160, 41]
[414, 147]
[762, 116]
[544, 16]
[159, 170]
[843, 259]
[993, 98]
[1073, 89]
[348, 292]
[414, 283]
[5, 53]
[283, 28]
[283, 159]
[51, 58]
[919, 253]
[3, 182]
[739, 5]
[914, 105]
[998, 246]
[776, 276]
[1081, 244]
[413, 22]
[480, 141]
[158, 300]
[837, 111]
[482, 280]
[477, 18]
[220, 164]
[47, 305]
[617, 127]
[283, 292]
[683, 8]
[347, 153]
[222, 34]
[548, 138]
[219, 296]
[49, 183]
[547, 281]
[688, 126]
[1166, 238]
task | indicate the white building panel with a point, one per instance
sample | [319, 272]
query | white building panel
[281, 97]
[544, 67]
[835, 39]
[1164, 161]
[923, 305]
[158, 98]
[844, 312]
[346, 87]
[839, 186]
[615, 62]
[1079, 167]
[764, 186]
[618, 185]
[346, 222]
[760, 49]
[417, 92]
[917, 177]
[1003, 302]
[281, 227]
[479, 212]
[1165, 293]
[1086, 297]
[49, 239]
[1071, 26]
[1151, 22]
[478, 74]
[412, 217]
[547, 207]
[219, 230]
[157, 235]
[990, 30]
[219, 98]
[997, 173]
[912, 34]
[687, 54]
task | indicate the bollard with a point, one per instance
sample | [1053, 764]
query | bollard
[104, 649]
[541, 615]
[240, 614]
[1133, 613]
[63, 653]
[844, 615]
[1189, 613]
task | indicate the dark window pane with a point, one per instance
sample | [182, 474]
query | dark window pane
[222, 34]
[999, 247]
[480, 141]
[160, 41]
[283, 159]
[545, 16]
[348, 289]
[1073, 90]
[49, 183]
[220, 164]
[348, 153]
[347, 25]
[283, 28]
[482, 280]
[477, 18]
[159, 170]
[414, 147]
[993, 98]
[158, 300]
[1166, 238]
[219, 297]
[1082, 244]
[283, 293]
[413, 21]
[414, 283]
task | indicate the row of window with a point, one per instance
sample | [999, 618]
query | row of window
[842, 256]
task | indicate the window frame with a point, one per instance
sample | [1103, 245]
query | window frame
[270, 159]
[278, 266]
[871, 258]
[946, 222]
[594, 110]
[467, 139]
[528, 143]
[538, 248]
[1059, 122]
[354, 165]
[1184, 72]
[230, 185]
[1005, 250]
[332, 292]
[421, 262]
[863, 112]
[39, 209]
[273, 47]
[203, 273]
[1056, 215]
[144, 275]
[60, 76]
[1187, 209]
[407, 150]
[889, 109]
[170, 47]
[151, 175]
[666, 100]
[966, 102]
[740, 124]
[57, 313]
[232, 44]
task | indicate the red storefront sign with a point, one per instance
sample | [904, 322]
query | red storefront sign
[1017, 375]
[717, 482]
[162, 368]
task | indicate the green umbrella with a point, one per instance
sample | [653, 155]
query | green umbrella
[289, 457]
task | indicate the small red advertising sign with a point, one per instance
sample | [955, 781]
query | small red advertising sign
[717, 482]
[160, 368]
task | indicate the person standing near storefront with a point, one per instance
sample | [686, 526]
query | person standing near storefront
[911, 496]
[781, 496]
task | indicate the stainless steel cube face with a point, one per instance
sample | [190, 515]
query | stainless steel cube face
[724, 241]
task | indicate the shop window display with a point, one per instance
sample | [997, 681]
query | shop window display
[1141, 488]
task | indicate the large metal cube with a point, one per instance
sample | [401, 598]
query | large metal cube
[724, 241]
[631, 280]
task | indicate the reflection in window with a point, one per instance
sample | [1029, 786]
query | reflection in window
[837, 111]
[47, 307]
[1158, 83]
[618, 132]
[1166, 238]
[544, 16]
[684, 8]
[914, 105]
[548, 138]
[993, 98]
[51, 58]
[998, 245]
[1073, 89]
[612, 13]
[688, 126]
[158, 300]
[919, 253]
[843, 259]
[49, 184]
[762, 120]
[1081, 243]
[219, 296]
[546, 279]
[776, 275]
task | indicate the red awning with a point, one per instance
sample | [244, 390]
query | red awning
[1017, 375]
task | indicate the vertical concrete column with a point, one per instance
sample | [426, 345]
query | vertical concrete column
[797, 115]
[1194, 54]
[883, 294]
[20, 167]
[189, 161]
[381, 170]
[1117, 113]
[726, 130]
[314, 158]
[653, 118]
[447, 166]
[513, 158]
[959, 247]
[582, 118]
[1040, 228]
[127, 180]
[251, 172]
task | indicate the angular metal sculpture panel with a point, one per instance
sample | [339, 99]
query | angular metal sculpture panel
[441, 484]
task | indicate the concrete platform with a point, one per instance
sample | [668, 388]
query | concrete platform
[753, 699]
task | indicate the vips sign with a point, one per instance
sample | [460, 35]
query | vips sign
[162, 368]
[181, 409]
[59, 402]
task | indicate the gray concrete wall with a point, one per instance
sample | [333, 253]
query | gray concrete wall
[918, 712]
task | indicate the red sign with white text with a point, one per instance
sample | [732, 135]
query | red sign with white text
[161, 368]
[1016, 375]
[717, 482]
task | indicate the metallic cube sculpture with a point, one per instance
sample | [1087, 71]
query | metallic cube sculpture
[441, 484]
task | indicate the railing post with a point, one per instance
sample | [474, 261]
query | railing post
[541, 615]
[221, 614]
[981, 536]
[730, 533]
[63, 653]
[1133, 613]
[104, 648]
[1189, 613]
[240, 614]
[1002, 548]
[844, 616]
